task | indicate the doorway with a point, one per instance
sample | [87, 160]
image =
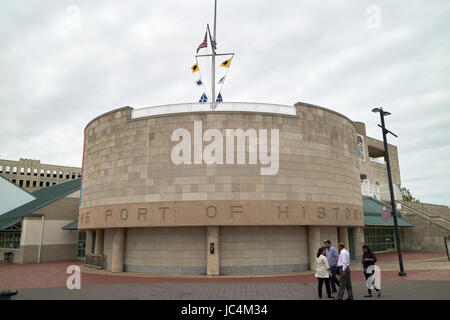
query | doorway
[81, 248]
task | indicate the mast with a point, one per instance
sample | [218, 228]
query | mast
[213, 59]
[212, 39]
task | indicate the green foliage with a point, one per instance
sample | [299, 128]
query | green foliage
[407, 196]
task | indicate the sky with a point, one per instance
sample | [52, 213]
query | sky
[62, 63]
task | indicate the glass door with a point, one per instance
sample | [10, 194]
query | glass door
[81, 245]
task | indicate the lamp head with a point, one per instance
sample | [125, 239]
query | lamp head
[385, 113]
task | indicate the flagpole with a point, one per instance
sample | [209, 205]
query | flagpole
[213, 59]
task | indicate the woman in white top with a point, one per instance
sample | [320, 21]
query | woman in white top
[323, 272]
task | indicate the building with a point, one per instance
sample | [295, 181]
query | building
[431, 227]
[374, 180]
[166, 191]
[12, 196]
[31, 230]
[379, 234]
[31, 175]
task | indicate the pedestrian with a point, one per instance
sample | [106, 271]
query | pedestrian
[332, 256]
[369, 259]
[323, 273]
[345, 282]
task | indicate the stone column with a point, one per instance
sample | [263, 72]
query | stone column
[343, 237]
[118, 250]
[358, 240]
[212, 260]
[89, 240]
[99, 241]
[315, 243]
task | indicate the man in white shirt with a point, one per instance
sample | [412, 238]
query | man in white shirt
[343, 265]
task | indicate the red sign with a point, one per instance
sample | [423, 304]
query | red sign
[386, 214]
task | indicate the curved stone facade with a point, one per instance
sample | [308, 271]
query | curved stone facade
[138, 172]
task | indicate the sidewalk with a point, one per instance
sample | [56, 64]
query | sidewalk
[421, 267]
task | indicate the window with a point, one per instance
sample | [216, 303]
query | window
[1, 169]
[360, 147]
[34, 184]
[41, 183]
[28, 171]
[27, 184]
[47, 184]
[73, 175]
[21, 183]
[13, 181]
[54, 183]
[67, 175]
[22, 171]
[79, 175]
[380, 239]
[54, 173]
[10, 239]
[60, 174]
[7, 169]
[35, 171]
[42, 172]
[48, 173]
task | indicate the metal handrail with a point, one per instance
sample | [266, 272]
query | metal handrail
[428, 217]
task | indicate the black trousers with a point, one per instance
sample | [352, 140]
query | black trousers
[327, 286]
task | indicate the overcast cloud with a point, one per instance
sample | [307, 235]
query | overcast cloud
[57, 72]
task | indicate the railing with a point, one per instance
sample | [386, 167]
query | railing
[378, 160]
[224, 106]
[441, 221]
[95, 260]
[380, 192]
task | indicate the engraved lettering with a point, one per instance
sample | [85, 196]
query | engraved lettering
[163, 209]
[347, 214]
[235, 210]
[142, 212]
[211, 212]
[108, 213]
[124, 214]
[321, 212]
[286, 211]
[336, 211]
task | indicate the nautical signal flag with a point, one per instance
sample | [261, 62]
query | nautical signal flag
[203, 98]
[204, 44]
[199, 82]
[219, 98]
[226, 63]
[194, 68]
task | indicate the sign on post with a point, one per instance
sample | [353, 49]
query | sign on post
[386, 214]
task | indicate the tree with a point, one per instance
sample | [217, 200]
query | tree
[407, 196]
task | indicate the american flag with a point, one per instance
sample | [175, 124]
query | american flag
[204, 44]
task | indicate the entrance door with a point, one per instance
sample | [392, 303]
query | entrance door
[81, 245]
[351, 244]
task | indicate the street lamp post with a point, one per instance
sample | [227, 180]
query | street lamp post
[391, 188]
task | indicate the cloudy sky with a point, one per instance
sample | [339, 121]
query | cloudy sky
[64, 62]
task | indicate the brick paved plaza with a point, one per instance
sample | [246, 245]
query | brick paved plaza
[428, 278]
